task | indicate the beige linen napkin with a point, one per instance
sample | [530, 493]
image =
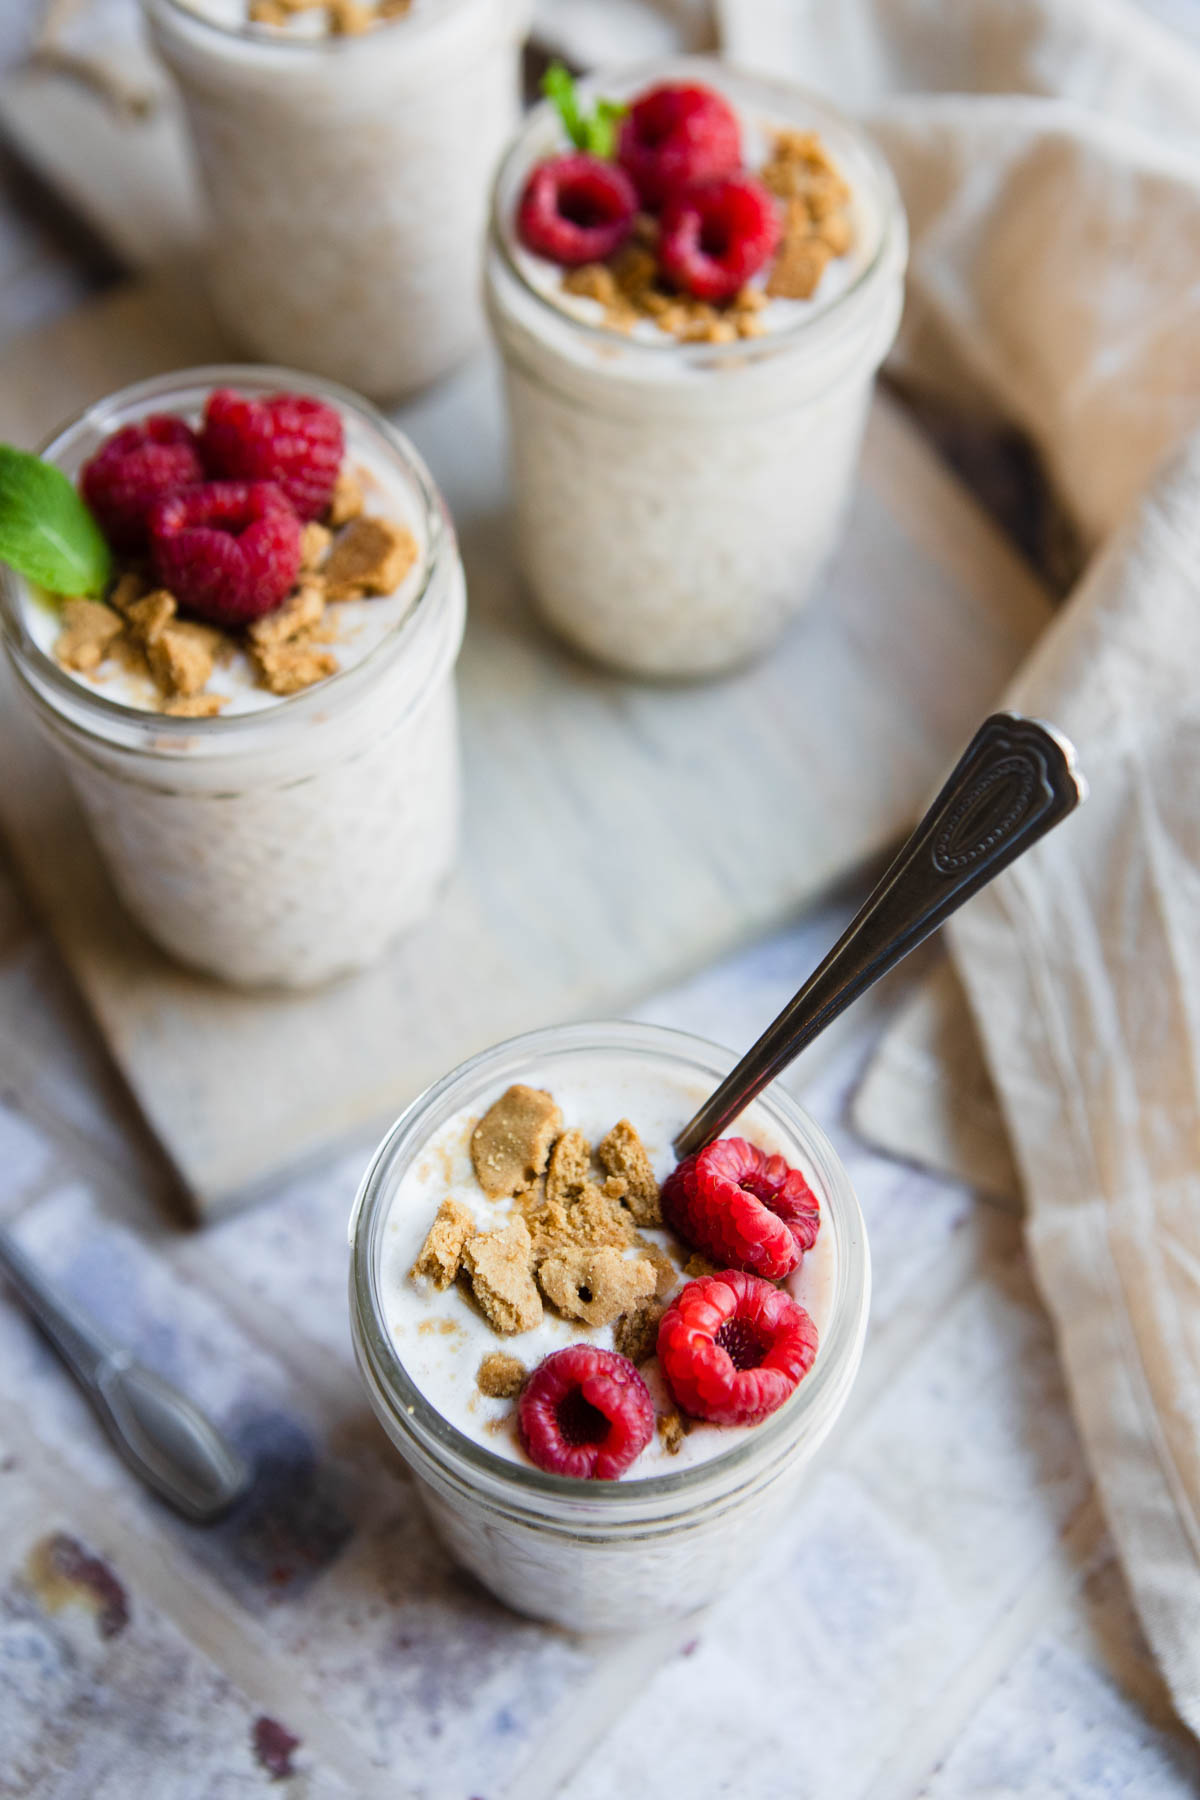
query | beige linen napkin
[1055, 207]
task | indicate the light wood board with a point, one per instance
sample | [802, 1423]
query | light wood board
[617, 835]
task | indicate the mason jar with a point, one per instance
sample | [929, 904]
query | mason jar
[676, 503]
[606, 1555]
[290, 843]
[347, 179]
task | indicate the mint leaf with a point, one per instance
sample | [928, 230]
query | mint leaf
[595, 133]
[46, 532]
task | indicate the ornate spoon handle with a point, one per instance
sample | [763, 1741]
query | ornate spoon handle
[1016, 780]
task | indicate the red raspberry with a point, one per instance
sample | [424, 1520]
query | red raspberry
[718, 234]
[228, 550]
[134, 468]
[576, 209]
[742, 1207]
[585, 1412]
[289, 439]
[675, 135]
[732, 1347]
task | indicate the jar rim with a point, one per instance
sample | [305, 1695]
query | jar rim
[837, 1357]
[671, 353]
[84, 708]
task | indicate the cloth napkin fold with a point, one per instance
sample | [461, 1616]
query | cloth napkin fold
[1048, 152]
[1055, 210]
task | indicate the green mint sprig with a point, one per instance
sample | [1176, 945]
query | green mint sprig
[46, 532]
[595, 132]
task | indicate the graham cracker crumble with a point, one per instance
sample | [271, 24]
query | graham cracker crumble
[342, 18]
[816, 229]
[349, 556]
[673, 1427]
[498, 1264]
[440, 1256]
[501, 1377]
[636, 1333]
[511, 1143]
[623, 1156]
[596, 1286]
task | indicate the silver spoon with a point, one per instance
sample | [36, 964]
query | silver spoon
[165, 1439]
[1016, 781]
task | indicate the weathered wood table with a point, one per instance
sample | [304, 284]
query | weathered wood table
[942, 1617]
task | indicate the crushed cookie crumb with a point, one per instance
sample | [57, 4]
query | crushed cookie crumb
[570, 1168]
[88, 630]
[267, 12]
[697, 1266]
[195, 706]
[498, 1264]
[393, 9]
[150, 614]
[349, 18]
[673, 1427]
[182, 656]
[596, 1286]
[586, 1223]
[369, 556]
[511, 1143]
[623, 1156]
[347, 501]
[798, 268]
[315, 540]
[288, 668]
[126, 589]
[297, 617]
[501, 1377]
[666, 1272]
[440, 1256]
[635, 1334]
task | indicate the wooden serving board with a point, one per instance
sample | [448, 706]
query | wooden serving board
[617, 835]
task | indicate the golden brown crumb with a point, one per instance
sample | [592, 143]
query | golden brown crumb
[126, 589]
[798, 268]
[314, 542]
[370, 556]
[88, 630]
[498, 1264]
[511, 1142]
[585, 1223]
[697, 1266]
[347, 18]
[440, 1256]
[665, 1270]
[347, 501]
[182, 655]
[501, 1377]
[392, 9]
[672, 1429]
[148, 616]
[635, 1334]
[570, 1167]
[267, 12]
[596, 1286]
[623, 1155]
[298, 616]
[195, 706]
[288, 668]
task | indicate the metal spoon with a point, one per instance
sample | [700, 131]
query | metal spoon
[167, 1442]
[1015, 782]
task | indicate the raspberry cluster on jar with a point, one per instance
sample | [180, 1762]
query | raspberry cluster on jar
[676, 158]
[219, 513]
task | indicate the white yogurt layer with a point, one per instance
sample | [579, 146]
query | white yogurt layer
[361, 626]
[441, 1338]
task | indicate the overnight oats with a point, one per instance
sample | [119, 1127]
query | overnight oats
[346, 151]
[608, 1372]
[693, 276]
[237, 615]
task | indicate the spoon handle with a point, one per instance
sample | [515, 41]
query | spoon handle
[1015, 781]
[165, 1439]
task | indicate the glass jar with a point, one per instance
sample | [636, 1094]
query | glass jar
[605, 1555]
[676, 502]
[291, 843]
[347, 179]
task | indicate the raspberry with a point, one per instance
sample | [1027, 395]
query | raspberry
[289, 439]
[576, 209]
[675, 135]
[732, 1347]
[742, 1207]
[718, 234]
[228, 550]
[134, 468]
[585, 1412]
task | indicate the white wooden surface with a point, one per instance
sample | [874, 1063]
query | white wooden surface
[617, 835]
